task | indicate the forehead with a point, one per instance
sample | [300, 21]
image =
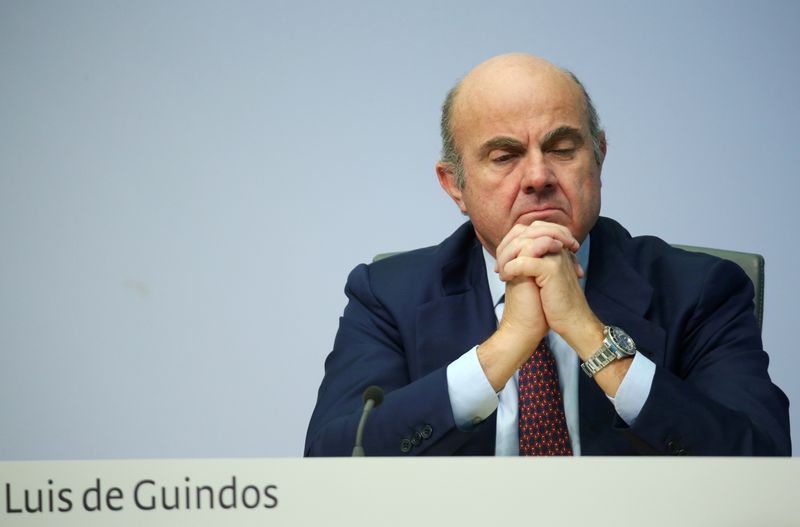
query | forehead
[517, 102]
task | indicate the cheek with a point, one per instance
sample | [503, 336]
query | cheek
[578, 187]
[489, 210]
[587, 197]
[491, 195]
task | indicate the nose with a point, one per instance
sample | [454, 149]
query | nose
[538, 177]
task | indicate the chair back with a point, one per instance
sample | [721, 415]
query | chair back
[751, 263]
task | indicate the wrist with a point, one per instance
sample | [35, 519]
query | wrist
[586, 337]
[503, 353]
[518, 336]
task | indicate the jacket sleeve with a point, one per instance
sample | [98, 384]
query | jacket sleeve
[415, 416]
[713, 395]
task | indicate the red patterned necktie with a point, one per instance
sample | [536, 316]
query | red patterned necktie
[542, 425]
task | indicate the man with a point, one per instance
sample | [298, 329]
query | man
[477, 342]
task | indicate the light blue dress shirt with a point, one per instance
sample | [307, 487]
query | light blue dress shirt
[473, 399]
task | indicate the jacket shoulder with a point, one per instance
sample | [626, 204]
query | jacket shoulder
[408, 268]
[651, 254]
[679, 279]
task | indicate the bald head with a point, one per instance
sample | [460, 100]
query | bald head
[504, 75]
[495, 84]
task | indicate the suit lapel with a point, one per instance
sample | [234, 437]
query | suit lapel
[461, 318]
[619, 296]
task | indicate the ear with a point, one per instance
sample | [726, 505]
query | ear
[447, 179]
[603, 147]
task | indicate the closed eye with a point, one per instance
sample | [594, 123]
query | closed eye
[501, 149]
[503, 158]
[563, 152]
[563, 142]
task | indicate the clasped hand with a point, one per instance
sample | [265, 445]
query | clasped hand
[538, 264]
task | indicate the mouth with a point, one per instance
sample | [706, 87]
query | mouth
[546, 213]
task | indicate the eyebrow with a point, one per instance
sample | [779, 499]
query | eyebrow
[553, 136]
[562, 132]
[501, 143]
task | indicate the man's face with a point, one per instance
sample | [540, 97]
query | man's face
[527, 153]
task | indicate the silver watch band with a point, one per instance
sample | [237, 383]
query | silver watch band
[616, 344]
[602, 358]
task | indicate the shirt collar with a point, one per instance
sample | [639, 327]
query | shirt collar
[498, 288]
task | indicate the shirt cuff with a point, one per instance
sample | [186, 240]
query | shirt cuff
[634, 389]
[472, 397]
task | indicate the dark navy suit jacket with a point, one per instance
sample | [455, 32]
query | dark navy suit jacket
[410, 315]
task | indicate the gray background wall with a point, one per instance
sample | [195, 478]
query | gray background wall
[185, 185]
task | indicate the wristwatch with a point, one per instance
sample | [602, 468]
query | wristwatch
[616, 345]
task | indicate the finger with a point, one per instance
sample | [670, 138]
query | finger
[523, 266]
[556, 231]
[547, 265]
[579, 270]
[513, 233]
[528, 248]
[534, 248]
[538, 229]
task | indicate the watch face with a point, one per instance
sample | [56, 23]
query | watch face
[622, 339]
